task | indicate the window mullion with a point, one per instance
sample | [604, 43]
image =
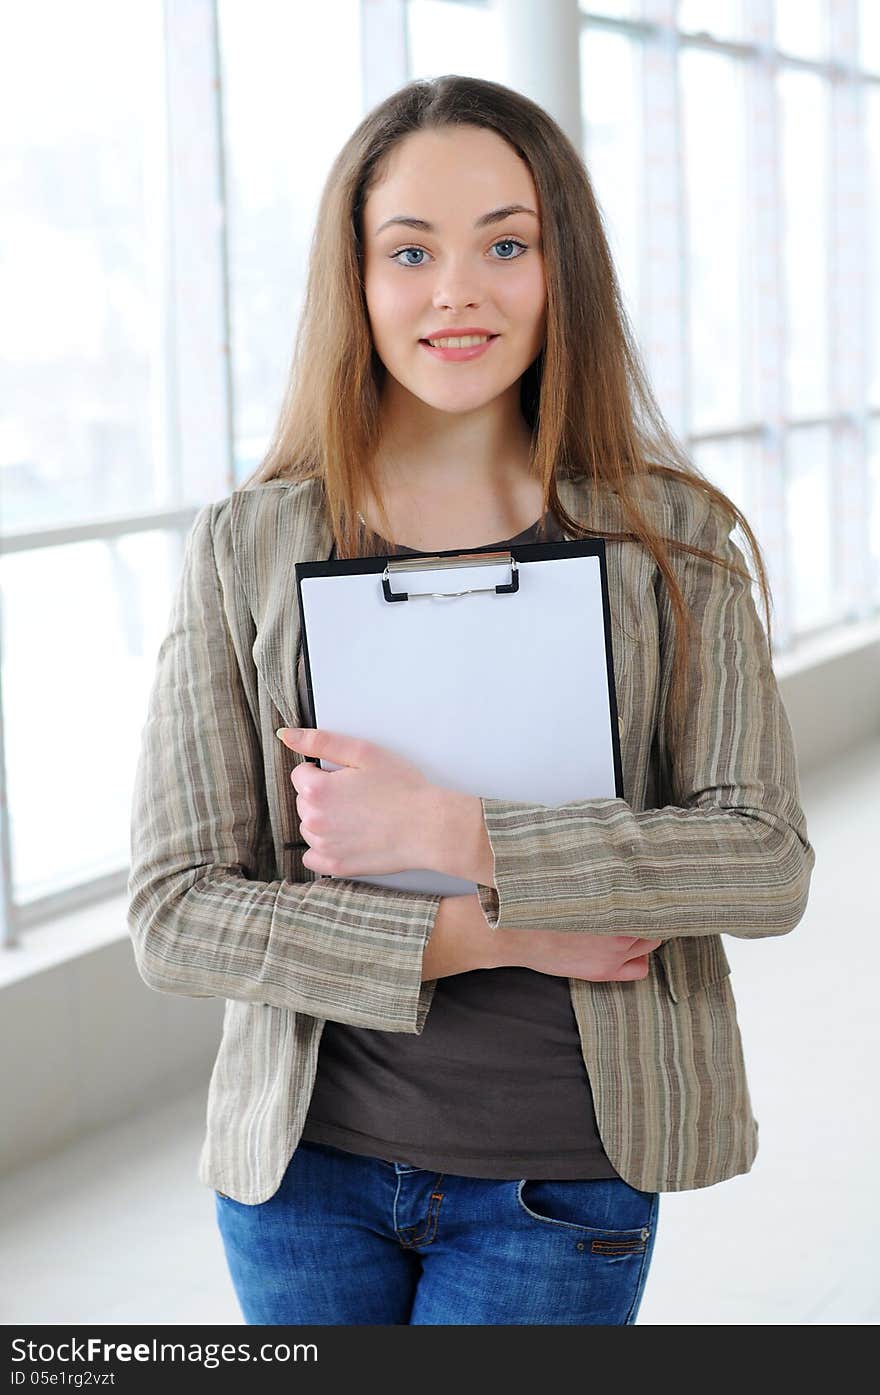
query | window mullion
[663, 310]
[199, 380]
[766, 311]
[849, 312]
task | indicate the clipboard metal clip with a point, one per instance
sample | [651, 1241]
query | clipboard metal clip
[421, 563]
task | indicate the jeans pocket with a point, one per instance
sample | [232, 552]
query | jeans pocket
[615, 1217]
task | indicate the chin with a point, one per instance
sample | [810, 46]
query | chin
[455, 404]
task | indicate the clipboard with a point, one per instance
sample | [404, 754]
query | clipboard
[491, 670]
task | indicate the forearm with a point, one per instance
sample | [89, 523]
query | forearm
[598, 866]
[330, 948]
[459, 842]
[461, 940]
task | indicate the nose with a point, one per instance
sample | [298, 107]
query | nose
[455, 304]
[452, 300]
[457, 288]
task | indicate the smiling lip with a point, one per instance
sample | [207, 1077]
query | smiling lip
[453, 333]
[460, 355]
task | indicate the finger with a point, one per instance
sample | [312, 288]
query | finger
[327, 745]
[306, 778]
[637, 951]
[308, 816]
[633, 968]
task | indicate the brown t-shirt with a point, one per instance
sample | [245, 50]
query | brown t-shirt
[495, 1085]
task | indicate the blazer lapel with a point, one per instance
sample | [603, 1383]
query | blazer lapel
[274, 526]
[634, 628]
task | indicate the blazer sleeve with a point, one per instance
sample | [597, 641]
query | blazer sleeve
[729, 853]
[201, 924]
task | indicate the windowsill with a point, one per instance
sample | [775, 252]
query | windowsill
[64, 937]
[811, 653]
[77, 933]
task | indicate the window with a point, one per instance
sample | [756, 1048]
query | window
[735, 150]
[86, 450]
[292, 93]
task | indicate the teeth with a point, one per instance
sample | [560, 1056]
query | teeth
[464, 343]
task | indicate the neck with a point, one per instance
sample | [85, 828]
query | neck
[425, 452]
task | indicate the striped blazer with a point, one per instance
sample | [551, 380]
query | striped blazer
[710, 839]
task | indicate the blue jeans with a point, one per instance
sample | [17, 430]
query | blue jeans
[348, 1240]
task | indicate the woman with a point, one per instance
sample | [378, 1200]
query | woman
[446, 1110]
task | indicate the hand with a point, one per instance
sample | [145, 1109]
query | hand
[597, 958]
[373, 815]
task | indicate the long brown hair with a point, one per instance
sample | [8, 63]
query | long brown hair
[586, 397]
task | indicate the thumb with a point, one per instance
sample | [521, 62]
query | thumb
[326, 745]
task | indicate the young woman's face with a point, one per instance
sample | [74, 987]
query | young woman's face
[423, 282]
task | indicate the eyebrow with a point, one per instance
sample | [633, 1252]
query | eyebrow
[495, 215]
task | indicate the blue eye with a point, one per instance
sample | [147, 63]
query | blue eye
[509, 242]
[395, 255]
[502, 242]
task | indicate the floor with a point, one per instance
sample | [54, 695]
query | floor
[117, 1229]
